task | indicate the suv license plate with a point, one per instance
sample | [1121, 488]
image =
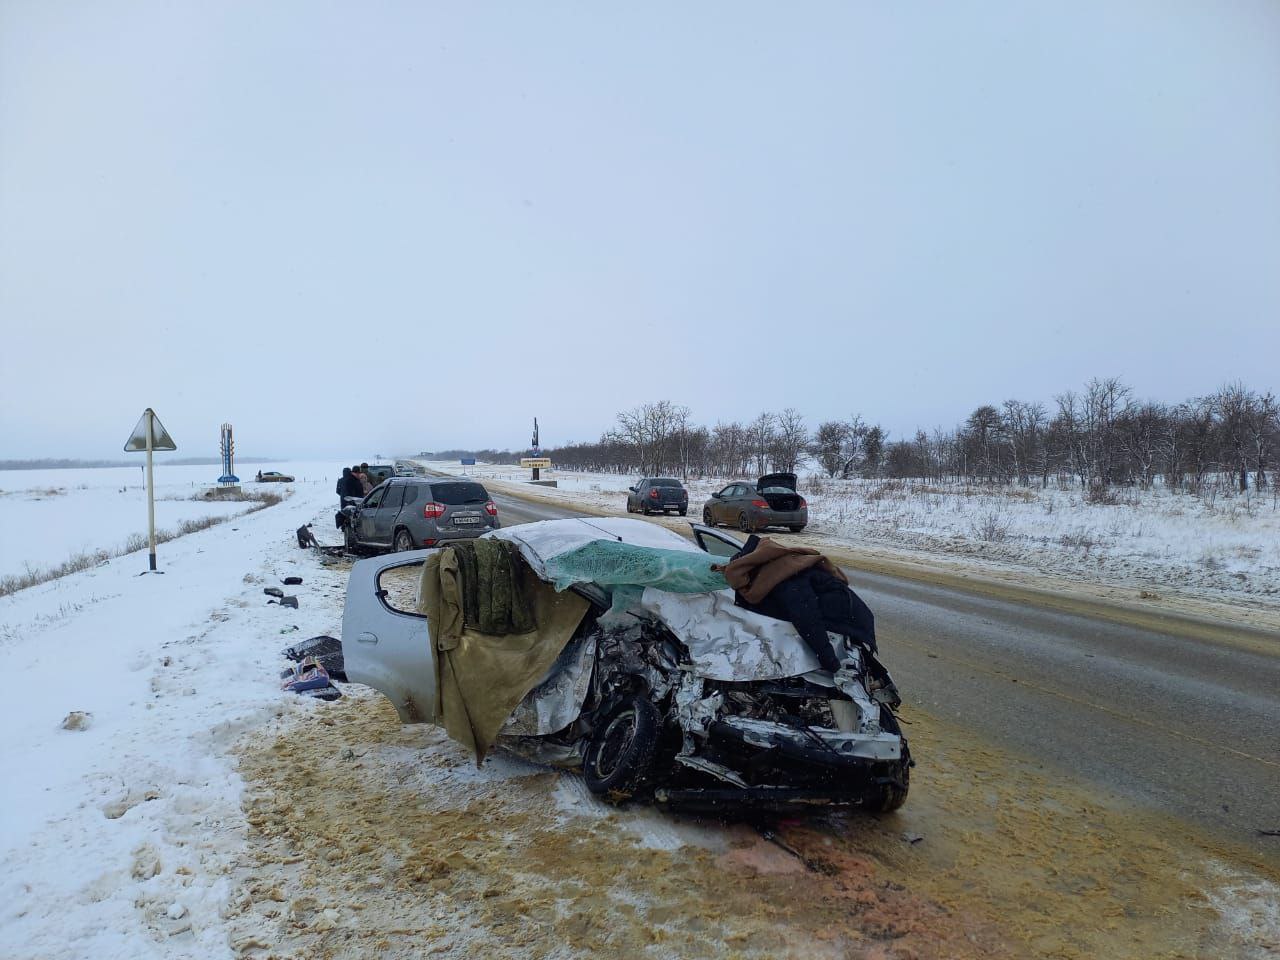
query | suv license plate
[466, 519]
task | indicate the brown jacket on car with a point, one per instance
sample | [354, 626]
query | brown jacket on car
[756, 573]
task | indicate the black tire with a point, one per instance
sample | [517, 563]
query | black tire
[349, 538]
[887, 797]
[796, 529]
[684, 513]
[623, 748]
[744, 523]
[644, 509]
[403, 541]
[629, 510]
[707, 519]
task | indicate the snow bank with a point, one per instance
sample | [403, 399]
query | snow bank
[117, 839]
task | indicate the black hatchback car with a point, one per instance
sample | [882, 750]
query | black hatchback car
[658, 495]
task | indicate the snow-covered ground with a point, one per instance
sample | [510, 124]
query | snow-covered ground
[1227, 547]
[50, 515]
[116, 839]
[196, 811]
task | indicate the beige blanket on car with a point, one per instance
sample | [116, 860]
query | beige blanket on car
[480, 678]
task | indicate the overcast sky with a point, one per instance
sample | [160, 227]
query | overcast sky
[363, 227]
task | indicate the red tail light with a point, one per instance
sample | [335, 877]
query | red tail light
[491, 508]
[759, 503]
[653, 494]
[433, 511]
[804, 502]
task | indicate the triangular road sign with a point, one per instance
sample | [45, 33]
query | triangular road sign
[160, 439]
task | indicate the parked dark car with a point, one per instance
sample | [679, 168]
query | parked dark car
[272, 476]
[379, 472]
[406, 513]
[772, 501]
[658, 495]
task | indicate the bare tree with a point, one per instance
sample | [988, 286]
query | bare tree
[649, 430]
[760, 435]
[789, 440]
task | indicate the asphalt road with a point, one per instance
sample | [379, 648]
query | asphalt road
[1187, 727]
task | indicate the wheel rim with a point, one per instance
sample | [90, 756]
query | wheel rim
[743, 524]
[403, 541]
[706, 518]
[617, 737]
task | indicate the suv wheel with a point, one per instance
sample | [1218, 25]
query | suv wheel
[744, 523]
[349, 537]
[404, 541]
[707, 518]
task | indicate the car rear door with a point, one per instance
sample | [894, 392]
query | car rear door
[385, 645]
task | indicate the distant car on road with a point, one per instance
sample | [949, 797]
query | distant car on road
[658, 495]
[406, 513]
[272, 476]
[772, 501]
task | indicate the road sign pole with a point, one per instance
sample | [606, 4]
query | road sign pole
[151, 488]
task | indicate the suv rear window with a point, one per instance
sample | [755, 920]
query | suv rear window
[456, 494]
[664, 482]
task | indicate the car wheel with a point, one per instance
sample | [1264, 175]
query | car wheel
[404, 541]
[887, 797]
[644, 509]
[684, 513]
[707, 518]
[349, 538]
[744, 523]
[629, 510]
[623, 747]
[794, 529]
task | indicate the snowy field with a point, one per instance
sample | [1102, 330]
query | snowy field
[50, 515]
[1223, 547]
[193, 810]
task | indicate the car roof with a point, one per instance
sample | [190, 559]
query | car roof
[541, 541]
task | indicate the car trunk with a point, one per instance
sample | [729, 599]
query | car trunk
[779, 491]
[671, 495]
[463, 505]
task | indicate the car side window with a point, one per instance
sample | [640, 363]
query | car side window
[372, 501]
[642, 486]
[394, 497]
[728, 491]
[410, 493]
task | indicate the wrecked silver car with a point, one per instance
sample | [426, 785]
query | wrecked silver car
[609, 646]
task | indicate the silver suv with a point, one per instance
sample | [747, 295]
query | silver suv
[411, 513]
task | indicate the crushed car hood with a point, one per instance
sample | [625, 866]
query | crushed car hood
[725, 641]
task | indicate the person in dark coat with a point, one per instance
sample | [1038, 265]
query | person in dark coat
[348, 486]
[801, 585]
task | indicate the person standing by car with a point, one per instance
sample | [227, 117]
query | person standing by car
[362, 474]
[348, 486]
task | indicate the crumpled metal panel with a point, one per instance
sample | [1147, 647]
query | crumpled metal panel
[727, 642]
[555, 702]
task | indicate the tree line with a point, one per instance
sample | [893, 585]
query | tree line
[1096, 438]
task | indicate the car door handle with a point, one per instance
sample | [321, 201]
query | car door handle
[367, 637]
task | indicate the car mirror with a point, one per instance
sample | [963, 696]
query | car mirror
[632, 489]
[715, 496]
